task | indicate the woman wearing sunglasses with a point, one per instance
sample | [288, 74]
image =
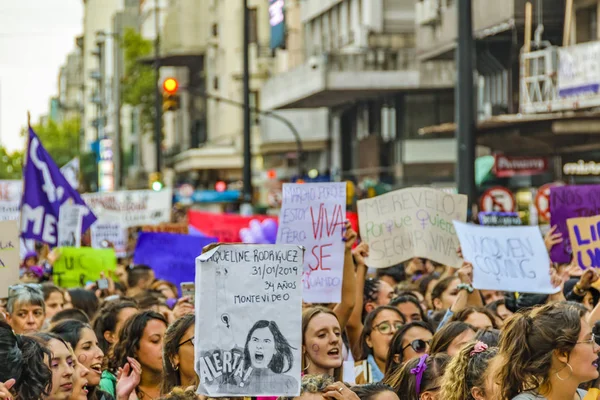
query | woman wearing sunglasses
[380, 326]
[178, 355]
[419, 378]
[411, 341]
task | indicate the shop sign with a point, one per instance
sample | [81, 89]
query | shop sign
[582, 168]
[498, 199]
[506, 166]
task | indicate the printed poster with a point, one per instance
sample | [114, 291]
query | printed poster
[70, 220]
[9, 256]
[312, 215]
[585, 241]
[11, 192]
[571, 202]
[132, 208]
[251, 298]
[510, 259]
[105, 233]
[76, 266]
[412, 222]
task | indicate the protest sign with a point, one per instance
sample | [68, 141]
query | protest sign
[106, 233]
[133, 207]
[251, 298]
[71, 172]
[11, 192]
[9, 256]
[511, 259]
[181, 229]
[70, 219]
[313, 215]
[76, 266]
[494, 218]
[171, 256]
[584, 235]
[413, 222]
[571, 202]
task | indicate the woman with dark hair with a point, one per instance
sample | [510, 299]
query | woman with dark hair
[411, 341]
[419, 378]
[380, 325]
[426, 285]
[141, 339]
[444, 293]
[23, 361]
[375, 391]
[451, 338]
[61, 364]
[85, 301]
[178, 355]
[409, 307]
[500, 311]
[270, 356]
[477, 317]
[491, 337]
[54, 299]
[110, 319]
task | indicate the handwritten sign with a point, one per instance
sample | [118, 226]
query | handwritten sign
[11, 192]
[70, 220]
[585, 240]
[181, 229]
[104, 233]
[76, 266]
[171, 256]
[9, 256]
[251, 298]
[512, 259]
[313, 215]
[413, 222]
[571, 202]
[133, 207]
[499, 219]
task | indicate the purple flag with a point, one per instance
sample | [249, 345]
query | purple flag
[570, 202]
[46, 189]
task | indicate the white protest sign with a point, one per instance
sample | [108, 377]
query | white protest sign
[110, 232]
[251, 298]
[70, 220]
[510, 259]
[133, 207]
[313, 215]
[71, 172]
[413, 222]
[11, 192]
[9, 256]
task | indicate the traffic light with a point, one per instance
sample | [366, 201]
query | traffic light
[170, 95]
[155, 181]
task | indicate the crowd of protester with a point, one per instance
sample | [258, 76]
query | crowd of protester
[418, 330]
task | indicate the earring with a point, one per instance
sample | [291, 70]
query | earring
[175, 367]
[570, 373]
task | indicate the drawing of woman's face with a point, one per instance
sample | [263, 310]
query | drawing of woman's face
[261, 347]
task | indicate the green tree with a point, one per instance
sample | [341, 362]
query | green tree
[61, 140]
[139, 81]
[11, 164]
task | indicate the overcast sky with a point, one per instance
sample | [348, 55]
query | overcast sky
[35, 38]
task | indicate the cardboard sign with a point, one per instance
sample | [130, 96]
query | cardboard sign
[11, 192]
[76, 266]
[571, 202]
[585, 240]
[413, 222]
[171, 256]
[9, 256]
[70, 221]
[499, 219]
[511, 259]
[313, 216]
[251, 298]
[104, 233]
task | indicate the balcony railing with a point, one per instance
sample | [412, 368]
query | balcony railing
[373, 60]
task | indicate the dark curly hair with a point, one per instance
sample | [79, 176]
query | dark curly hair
[107, 318]
[129, 338]
[283, 359]
[173, 336]
[23, 359]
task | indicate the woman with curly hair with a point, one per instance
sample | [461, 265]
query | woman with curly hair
[141, 339]
[466, 376]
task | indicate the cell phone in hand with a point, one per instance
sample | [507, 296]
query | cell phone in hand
[188, 289]
[102, 284]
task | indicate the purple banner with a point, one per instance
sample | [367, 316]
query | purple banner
[46, 189]
[570, 202]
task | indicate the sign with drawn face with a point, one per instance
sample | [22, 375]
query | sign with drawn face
[9, 256]
[251, 298]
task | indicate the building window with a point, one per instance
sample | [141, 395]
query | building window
[216, 83]
[586, 24]
[215, 30]
[253, 26]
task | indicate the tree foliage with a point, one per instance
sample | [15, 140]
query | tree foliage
[61, 140]
[139, 80]
[11, 164]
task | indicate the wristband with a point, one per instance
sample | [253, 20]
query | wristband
[465, 286]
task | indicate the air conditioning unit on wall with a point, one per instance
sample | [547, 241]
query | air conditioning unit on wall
[427, 12]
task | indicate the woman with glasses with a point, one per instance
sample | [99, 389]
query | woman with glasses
[379, 328]
[178, 355]
[411, 341]
[546, 353]
[419, 378]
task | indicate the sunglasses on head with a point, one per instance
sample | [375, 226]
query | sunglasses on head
[418, 345]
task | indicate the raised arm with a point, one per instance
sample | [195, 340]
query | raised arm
[344, 309]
